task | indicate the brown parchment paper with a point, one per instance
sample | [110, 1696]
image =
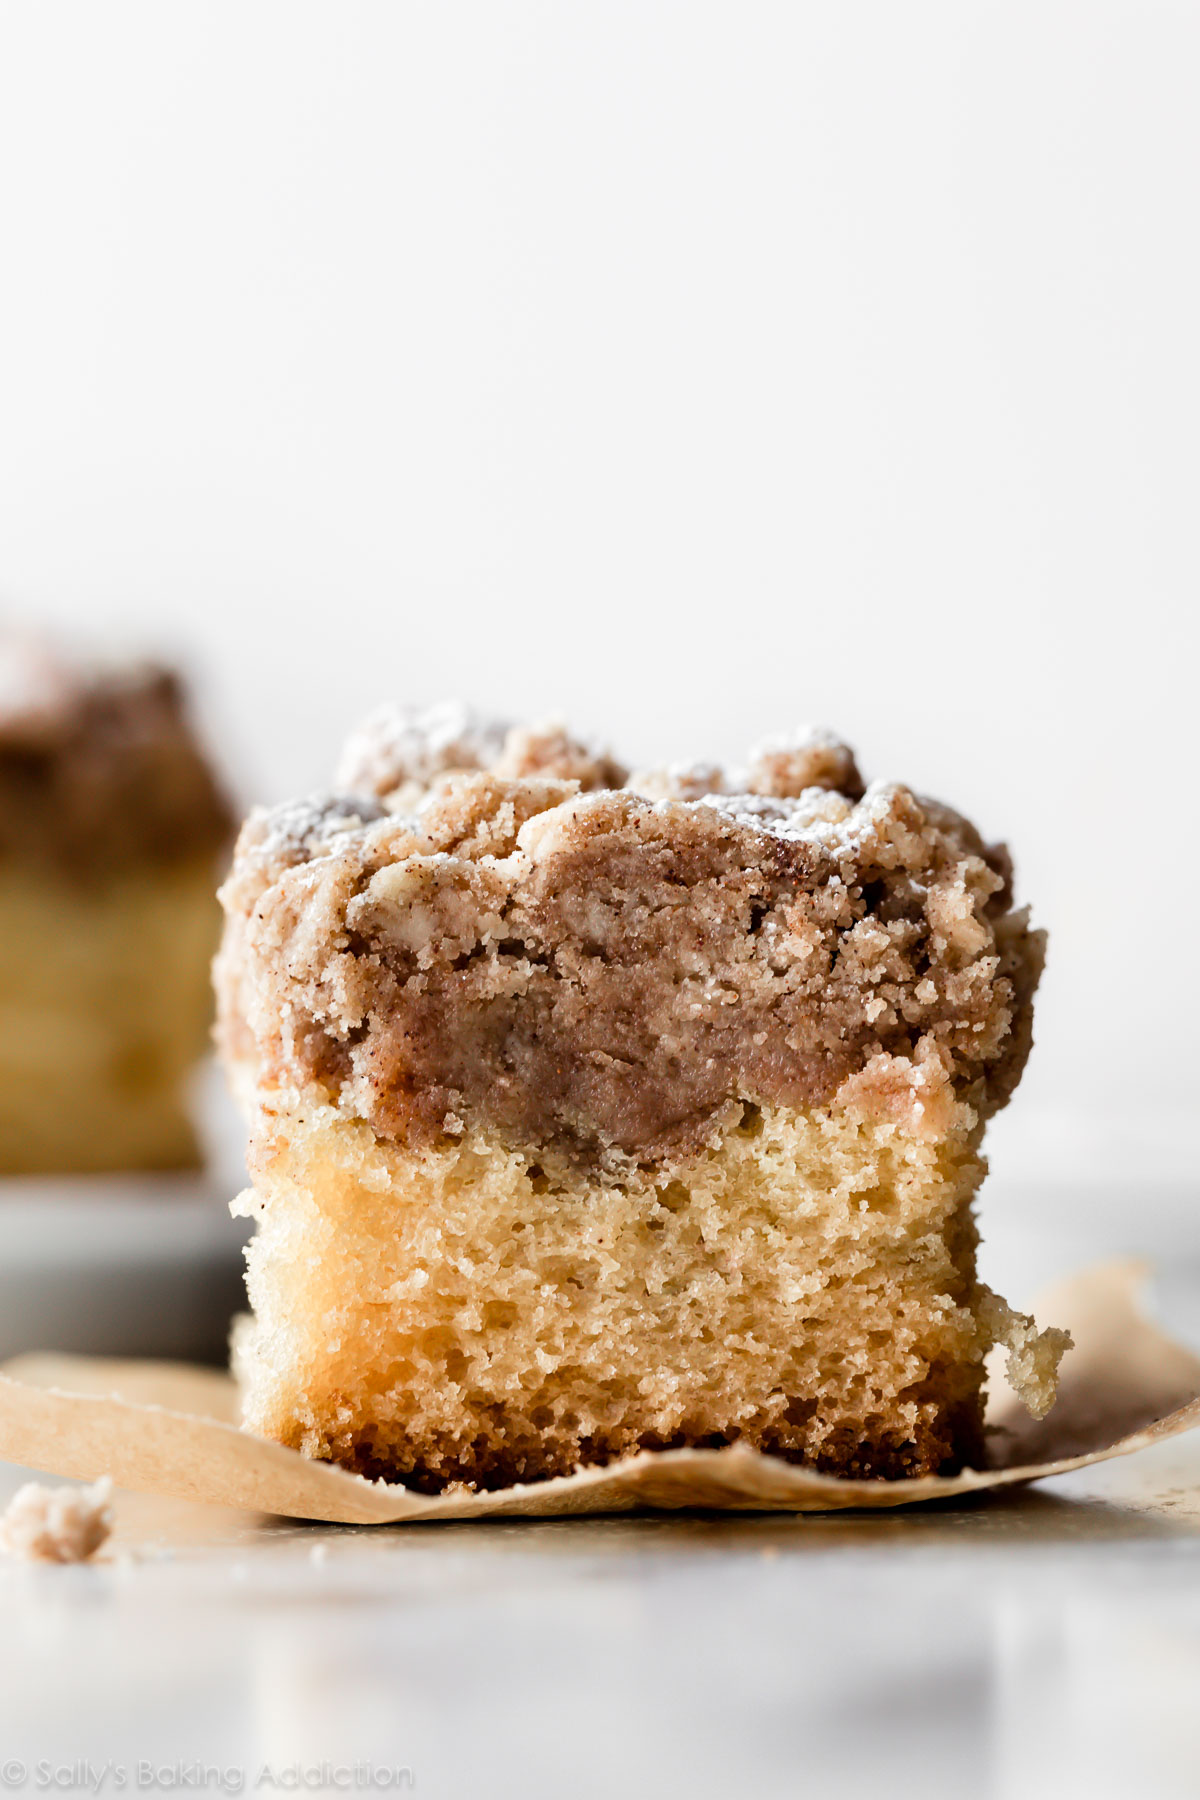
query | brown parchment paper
[163, 1428]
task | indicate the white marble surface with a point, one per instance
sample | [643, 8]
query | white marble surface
[1043, 1644]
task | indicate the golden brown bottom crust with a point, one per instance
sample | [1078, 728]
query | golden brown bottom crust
[942, 1447]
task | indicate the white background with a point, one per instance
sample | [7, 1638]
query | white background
[688, 370]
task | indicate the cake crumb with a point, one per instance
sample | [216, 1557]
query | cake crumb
[57, 1525]
[1031, 1367]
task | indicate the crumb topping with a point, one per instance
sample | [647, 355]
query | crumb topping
[605, 970]
[781, 768]
[400, 751]
[397, 747]
[100, 768]
[809, 758]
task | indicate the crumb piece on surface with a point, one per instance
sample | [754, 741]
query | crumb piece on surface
[1031, 1368]
[57, 1525]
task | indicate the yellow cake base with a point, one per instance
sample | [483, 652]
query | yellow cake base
[104, 1011]
[806, 1285]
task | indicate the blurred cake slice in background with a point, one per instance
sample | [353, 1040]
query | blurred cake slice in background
[113, 828]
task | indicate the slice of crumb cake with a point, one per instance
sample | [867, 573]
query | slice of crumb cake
[593, 1114]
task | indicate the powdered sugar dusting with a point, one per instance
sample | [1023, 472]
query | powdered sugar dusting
[397, 746]
[789, 764]
[296, 830]
[800, 785]
[782, 767]
[679, 781]
[826, 819]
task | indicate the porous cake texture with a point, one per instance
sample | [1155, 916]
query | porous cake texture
[592, 1113]
[111, 827]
